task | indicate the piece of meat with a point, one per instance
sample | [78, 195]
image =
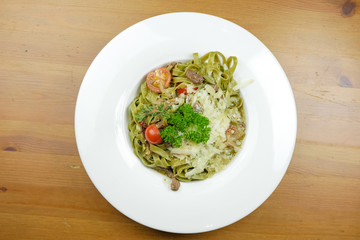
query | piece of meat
[194, 76]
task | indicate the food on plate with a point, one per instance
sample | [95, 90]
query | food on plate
[188, 121]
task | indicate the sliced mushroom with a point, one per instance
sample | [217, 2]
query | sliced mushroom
[175, 184]
[194, 76]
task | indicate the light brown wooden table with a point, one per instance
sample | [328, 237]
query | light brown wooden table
[45, 49]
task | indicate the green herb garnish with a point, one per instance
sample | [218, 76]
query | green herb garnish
[149, 110]
[185, 123]
[172, 136]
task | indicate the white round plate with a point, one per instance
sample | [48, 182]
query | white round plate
[102, 115]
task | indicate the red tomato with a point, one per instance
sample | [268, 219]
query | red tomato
[155, 79]
[183, 90]
[152, 134]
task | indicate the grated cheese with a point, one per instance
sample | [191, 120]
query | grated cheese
[201, 155]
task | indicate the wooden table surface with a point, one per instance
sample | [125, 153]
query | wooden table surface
[46, 46]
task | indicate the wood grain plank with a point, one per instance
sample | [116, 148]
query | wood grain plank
[37, 137]
[328, 114]
[42, 169]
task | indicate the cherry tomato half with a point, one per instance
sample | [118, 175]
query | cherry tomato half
[155, 79]
[152, 134]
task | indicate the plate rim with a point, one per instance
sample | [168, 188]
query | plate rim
[76, 117]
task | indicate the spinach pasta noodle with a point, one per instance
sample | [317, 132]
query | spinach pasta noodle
[188, 120]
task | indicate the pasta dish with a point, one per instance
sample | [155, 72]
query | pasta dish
[188, 121]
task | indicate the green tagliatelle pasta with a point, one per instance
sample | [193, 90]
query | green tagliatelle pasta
[213, 97]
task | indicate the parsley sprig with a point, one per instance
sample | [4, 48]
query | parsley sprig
[150, 110]
[185, 123]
